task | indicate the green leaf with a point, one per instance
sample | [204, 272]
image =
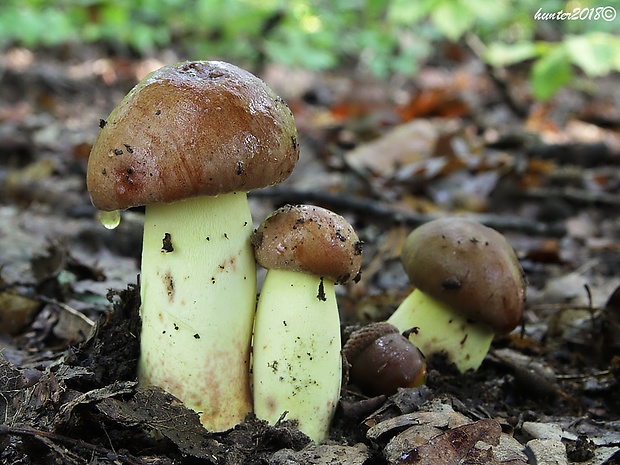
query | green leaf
[409, 12]
[453, 18]
[500, 54]
[551, 72]
[594, 53]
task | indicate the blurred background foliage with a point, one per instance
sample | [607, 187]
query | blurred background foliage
[384, 37]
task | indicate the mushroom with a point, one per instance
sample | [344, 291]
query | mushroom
[297, 366]
[468, 287]
[188, 141]
[381, 360]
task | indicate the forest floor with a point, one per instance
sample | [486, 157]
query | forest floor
[389, 156]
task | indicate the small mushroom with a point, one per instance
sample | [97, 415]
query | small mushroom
[297, 366]
[469, 286]
[382, 360]
[189, 141]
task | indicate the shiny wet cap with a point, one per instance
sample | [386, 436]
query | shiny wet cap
[191, 129]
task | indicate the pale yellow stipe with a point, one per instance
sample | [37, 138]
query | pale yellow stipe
[440, 329]
[198, 289]
[297, 364]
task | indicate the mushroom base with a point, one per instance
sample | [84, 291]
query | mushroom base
[439, 329]
[297, 366]
[198, 290]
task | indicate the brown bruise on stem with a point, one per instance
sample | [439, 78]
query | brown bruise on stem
[229, 265]
[169, 286]
[208, 378]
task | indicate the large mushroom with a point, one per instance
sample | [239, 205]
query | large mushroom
[469, 286]
[297, 366]
[188, 142]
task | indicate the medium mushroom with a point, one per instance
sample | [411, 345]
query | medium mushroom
[189, 141]
[297, 366]
[381, 360]
[468, 287]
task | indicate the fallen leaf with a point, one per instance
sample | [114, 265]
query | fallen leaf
[404, 145]
[16, 311]
[154, 409]
[452, 446]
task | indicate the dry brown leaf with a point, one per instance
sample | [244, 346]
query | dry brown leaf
[444, 102]
[153, 408]
[404, 145]
[454, 445]
[16, 311]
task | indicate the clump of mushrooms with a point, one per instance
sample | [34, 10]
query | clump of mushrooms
[188, 142]
[297, 366]
[469, 286]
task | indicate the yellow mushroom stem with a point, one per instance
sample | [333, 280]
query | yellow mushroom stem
[437, 328]
[198, 290]
[297, 366]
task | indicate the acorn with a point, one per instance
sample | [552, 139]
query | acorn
[382, 360]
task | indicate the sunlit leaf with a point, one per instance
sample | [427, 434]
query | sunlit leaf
[453, 18]
[594, 53]
[550, 73]
[500, 54]
[408, 12]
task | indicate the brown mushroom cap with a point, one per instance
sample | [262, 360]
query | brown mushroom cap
[311, 240]
[191, 129]
[383, 360]
[470, 267]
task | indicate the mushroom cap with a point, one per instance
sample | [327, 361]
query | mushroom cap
[308, 239]
[191, 129]
[469, 267]
[382, 360]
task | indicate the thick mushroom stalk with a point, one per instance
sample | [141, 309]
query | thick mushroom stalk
[198, 291]
[188, 142]
[297, 366]
[469, 287]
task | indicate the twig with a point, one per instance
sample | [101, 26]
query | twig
[381, 213]
[572, 194]
[29, 431]
[68, 309]
[580, 376]
[479, 49]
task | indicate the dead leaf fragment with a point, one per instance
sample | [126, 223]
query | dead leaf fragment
[404, 145]
[441, 418]
[153, 409]
[16, 311]
[96, 395]
[454, 445]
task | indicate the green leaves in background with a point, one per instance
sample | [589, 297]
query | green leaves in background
[550, 73]
[384, 37]
[594, 54]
